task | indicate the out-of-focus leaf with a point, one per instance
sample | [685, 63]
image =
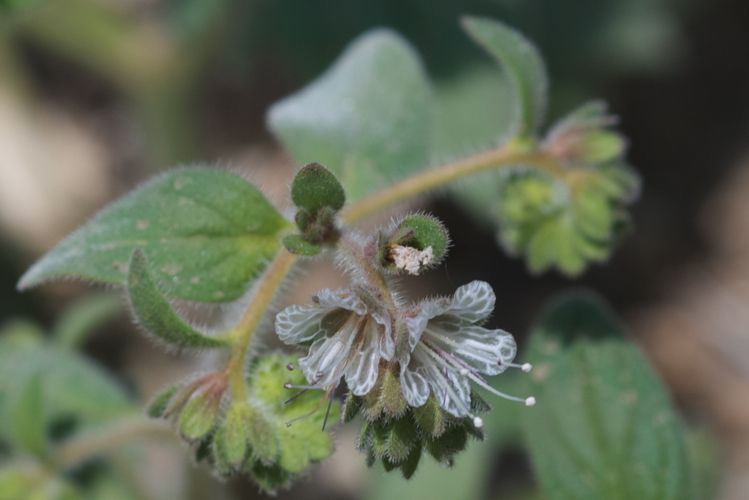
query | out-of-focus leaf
[155, 314]
[26, 410]
[80, 320]
[368, 118]
[704, 464]
[207, 234]
[603, 426]
[22, 481]
[73, 386]
[523, 64]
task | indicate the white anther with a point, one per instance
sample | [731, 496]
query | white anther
[477, 422]
[531, 401]
[526, 367]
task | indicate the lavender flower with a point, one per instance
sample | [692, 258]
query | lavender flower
[449, 349]
[348, 339]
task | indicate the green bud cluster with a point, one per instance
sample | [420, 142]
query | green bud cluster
[318, 197]
[269, 436]
[397, 435]
[570, 219]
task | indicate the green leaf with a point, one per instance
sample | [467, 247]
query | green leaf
[73, 385]
[368, 118]
[27, 414]
[158, 406]
[295, 244]
[523, 64]
[207, 234]
[80, 320]
[155, 313]
[314, 187]
[603, 426]
[296, 425]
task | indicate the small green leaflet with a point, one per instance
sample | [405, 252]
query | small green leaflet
[155, 314]
[368, 118]
[603, 426]
[207, 234]
[524, 65]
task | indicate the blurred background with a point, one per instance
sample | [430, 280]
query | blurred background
[98, 95]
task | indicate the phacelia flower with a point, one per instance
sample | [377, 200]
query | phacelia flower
[449, 349]
[348, 337]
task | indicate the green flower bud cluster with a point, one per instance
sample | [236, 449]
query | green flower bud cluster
[397, 435]
[269, 435]
[572, 218]
[318, 197]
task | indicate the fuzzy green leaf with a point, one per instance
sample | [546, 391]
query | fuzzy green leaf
[314, 187]
[154, 312]
[303, 441]
[158, 406]
[603, 426]
[207, 234]
[295, 244]
[524, 65]
[368, 118]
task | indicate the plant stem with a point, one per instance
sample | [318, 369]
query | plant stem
[268, 285]
[437, 177]
[109, 437]
[514, 153]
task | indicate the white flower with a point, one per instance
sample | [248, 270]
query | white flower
[449, 349]
[348, 339]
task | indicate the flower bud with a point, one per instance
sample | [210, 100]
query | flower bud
[416, 243]
[202, 411]
[315, 187]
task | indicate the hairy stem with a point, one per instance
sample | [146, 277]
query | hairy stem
[514, 153]
[267, 288]
[433, 178]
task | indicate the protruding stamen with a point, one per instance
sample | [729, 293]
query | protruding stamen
[478, 422]
[494, 391]
[289, 385]
[292, 398]
[327, 411]
[526, 367]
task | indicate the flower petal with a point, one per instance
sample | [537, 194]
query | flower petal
[363, 367]
[297, 324]
[385, 334]
[425, 310]
[414, 387]
[325, 363]
[451, 390]
[343, 298]
[473, 302]
[480, 349]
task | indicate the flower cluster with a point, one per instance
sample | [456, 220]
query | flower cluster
[438, 346]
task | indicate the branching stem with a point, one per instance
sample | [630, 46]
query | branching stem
[512, 154]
